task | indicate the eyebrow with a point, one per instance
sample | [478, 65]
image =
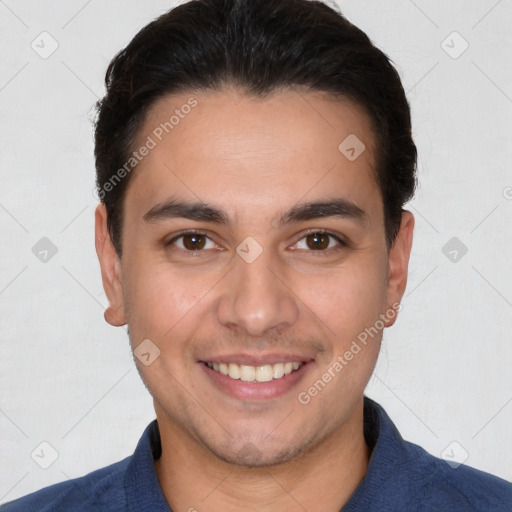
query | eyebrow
[336, 207]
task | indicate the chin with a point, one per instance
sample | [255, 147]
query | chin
[250, 456]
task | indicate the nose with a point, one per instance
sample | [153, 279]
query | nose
[257, 296]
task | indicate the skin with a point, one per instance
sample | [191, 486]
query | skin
[255, 159]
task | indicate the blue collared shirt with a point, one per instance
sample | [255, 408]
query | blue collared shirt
[401, 476]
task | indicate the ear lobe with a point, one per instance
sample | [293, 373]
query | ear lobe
[111, 274]
[398, 263]
[114, 317]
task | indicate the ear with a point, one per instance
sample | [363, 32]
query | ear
[398, 263]
[111, 274]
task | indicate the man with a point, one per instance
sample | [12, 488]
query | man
[253, 161]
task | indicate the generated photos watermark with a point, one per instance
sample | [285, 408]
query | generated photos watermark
[151, 143]
[305, 397]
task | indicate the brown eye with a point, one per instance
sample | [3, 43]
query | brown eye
[191, 242]
[318, 241]
[194, 242]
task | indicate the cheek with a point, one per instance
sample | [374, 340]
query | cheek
[166, 308]
[159, 300]
[348, 299]
[349, 303]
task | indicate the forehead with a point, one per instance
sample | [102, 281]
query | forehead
[223, 147]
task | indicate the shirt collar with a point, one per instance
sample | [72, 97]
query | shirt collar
[143, 491]
[388, 451]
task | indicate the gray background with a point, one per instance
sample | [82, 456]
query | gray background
[67, 378]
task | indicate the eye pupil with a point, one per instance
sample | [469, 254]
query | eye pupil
[194, 241]
[318, 241]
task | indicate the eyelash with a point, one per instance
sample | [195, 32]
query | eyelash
[320, 252]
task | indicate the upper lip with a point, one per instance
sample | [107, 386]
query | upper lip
[257, 359]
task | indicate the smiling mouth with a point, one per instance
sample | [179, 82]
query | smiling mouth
[264, 373]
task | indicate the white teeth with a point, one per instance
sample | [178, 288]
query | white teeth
[234, 371]
[264, 373]
[279, 370]
[246, 373]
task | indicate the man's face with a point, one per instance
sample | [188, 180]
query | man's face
[260, 287]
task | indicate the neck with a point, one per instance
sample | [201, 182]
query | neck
[322, 478]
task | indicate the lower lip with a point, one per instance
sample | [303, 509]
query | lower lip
[256, 390]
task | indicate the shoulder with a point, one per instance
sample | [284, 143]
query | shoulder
[404, 476]
[87, 493]
[437, 485]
